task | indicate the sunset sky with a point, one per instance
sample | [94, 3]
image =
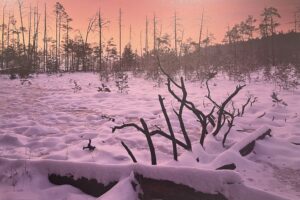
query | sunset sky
[218, 15]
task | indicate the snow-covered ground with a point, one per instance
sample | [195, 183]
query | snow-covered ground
[49, 120]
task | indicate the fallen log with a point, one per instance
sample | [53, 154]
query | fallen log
[246, 146]
[155, 182]
[164, 189]
[231, 166]
[89, 186]
[295, 143]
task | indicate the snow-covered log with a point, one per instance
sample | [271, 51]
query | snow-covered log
[220, 184]
[246, 145]
[164, 189]
[88, 186]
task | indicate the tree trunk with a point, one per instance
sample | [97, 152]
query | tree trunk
[2, 47]
[45, 40]
[154, 33]
[100, 41]
[67, 47]
[59, 32]
[175, 33]
[120, 37]
[29, 39]
[22, 26]
[146, 42]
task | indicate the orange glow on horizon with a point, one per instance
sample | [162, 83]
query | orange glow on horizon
[218, 15]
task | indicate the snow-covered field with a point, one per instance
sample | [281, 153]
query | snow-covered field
[44, 126]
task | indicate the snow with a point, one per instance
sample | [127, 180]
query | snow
[255, 135]
[124, 188]
[43, 127]
[19, 172]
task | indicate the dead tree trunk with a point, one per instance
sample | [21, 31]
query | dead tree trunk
[100, 41]
[120, 37]
[175, 33]
[59, 33]
[154, 32]
[201, 30]
[29, 38]
[22, 25]
[56, 40]
[2, 38]
[67, 60]
[85, 42]
[35, 39]
[246, 146]
[146, 37]
[45, 40]
[8, 35]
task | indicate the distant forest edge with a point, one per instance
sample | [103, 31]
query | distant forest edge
[248, 46]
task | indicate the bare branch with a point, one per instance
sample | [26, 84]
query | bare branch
[162, 133]
[146, 132]
[161, 101]
[128, 125]
[149, 141]
[129, 152]
[230, 125]
[244, 106]
[180, 118]
[222, 108]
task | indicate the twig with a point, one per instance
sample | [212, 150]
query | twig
[129, 152]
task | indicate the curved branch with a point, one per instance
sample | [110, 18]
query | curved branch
[162, 133]
[161, 101]
[149, 141]
[129, 152]
[230, 125]
[128, 125]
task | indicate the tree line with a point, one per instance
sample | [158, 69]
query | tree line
[70, 50]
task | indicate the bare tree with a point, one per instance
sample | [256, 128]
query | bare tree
[175, 33]
[141, 45]
[101, 24]
[59, 10]
[8, 29]
[120, 37]
[29, 36]
[2, 38]
[154, 32]
[206, 119]
[201, 29]
[45, 40]
[146, 37]
[22, 25]
[130, 32]
[85, 43]
[35, 38]
[68, 28]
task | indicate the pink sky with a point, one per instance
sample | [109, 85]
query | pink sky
[218, 14]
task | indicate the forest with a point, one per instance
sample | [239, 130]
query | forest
[252, 44]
